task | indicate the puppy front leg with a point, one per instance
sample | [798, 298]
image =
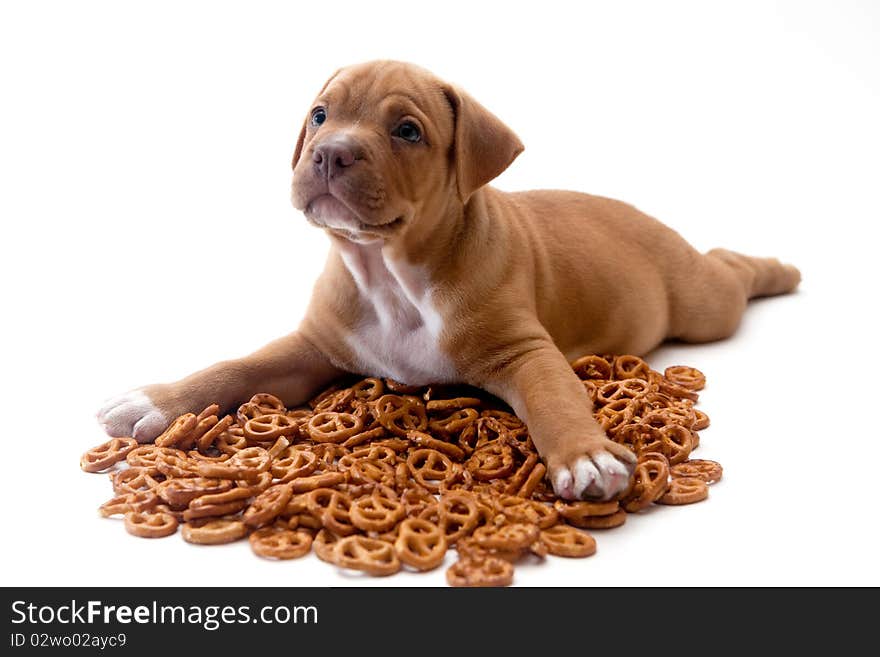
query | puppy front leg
[290, 368]
[542, 389]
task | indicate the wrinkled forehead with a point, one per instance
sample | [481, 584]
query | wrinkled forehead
[378, 91]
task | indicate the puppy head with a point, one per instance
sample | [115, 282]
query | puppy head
[387, 145]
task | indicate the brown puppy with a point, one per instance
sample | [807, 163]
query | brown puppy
[435, 277]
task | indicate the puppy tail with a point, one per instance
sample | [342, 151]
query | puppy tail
[762, 277]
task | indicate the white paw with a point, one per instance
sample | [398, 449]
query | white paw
[132, 414]
[599, 476]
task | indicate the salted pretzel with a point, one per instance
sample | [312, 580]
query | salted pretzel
[377, 512]
[176, 465]
[268, 505]
[430, 468]
[592, 367]
[399, 414]
[485, 571]
[279, 542]
[150, 524]
[508, 538]
[492, 461]
[134, 479]
[264, 428]
[370, 555]
[268, 403]
[686, 377]
[247, 463]
[455, 404]
[144, 500]
[107, 454]
[677, 443]
[628, 366]
[293, 463]
[423, 439]
[213, 531]
[457, 514]
[708, 471]
[420, 544]
[535, 478]
[701, 422]
[179, 433]
[623, 389]
[685, 490]
[582, 514]
[333, 427]
[650, 481]
[564, 541]
[517, 509]
[182, 491]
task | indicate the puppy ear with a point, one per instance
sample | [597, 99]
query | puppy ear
[300, 141]
[483, 146]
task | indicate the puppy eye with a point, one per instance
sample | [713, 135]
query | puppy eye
[319, 115]
[409, 131]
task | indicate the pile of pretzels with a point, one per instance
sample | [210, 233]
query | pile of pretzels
[377, 476]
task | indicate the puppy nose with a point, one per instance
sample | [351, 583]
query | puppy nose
[333, 156]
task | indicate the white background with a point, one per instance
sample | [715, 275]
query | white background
[145, 162]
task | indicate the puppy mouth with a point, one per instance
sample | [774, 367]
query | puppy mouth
[328, 211]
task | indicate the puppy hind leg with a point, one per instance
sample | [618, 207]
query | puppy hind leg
[761, 277]
[709, 302]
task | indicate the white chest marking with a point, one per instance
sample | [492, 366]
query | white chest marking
[399, 337]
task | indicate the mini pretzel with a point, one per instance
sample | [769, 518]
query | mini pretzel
[256, 486]
[685, 490]
[107, 454]
[458, 403]
[624, 389]
[206, 440]
[580, 514]
[630, 367]
[423, 439]
[518, 509]
[401, 414]
[457, 514]
[144, 500]
[603, 522]
[678, 442]
[248, 411]
[147, 524]
[492, 461]
[367, 554]
[176, 465]
[686, 377]
[650, 481]
[430, 468]
[364, 437]
[269, 427]
[675, 414]
[229, 442]
[268, 403]
[179, 433]
[615, 414]
[324, 543]
[701, 422]
[247, 463]
[376, 512]
[512, 537]
[708, 471]
[592, 367]
[640, 437]
[336, 517]
[194, 511]
[132, 480]
[213, 531]
[294, 463]
[333, 427]
[518, 478]
[181, 492]
[305, 484]
[420, 544]
[369, 389]
[280, 543]
[565, 541]
[267, 505]
[485, 571]
[530, 485]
